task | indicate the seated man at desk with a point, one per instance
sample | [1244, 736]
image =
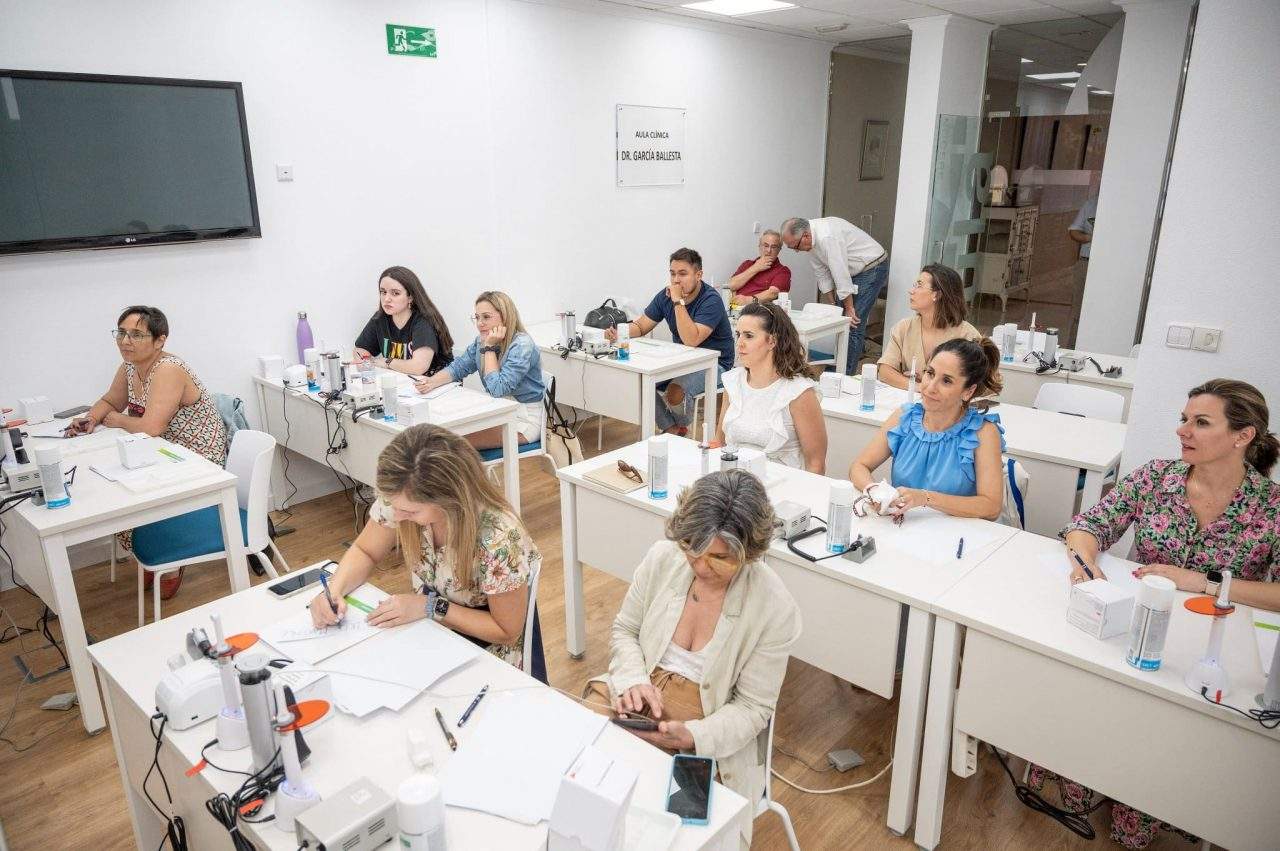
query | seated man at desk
[761, 279]
[701, 642]
[1213, 508]
[697, 317]
[946, 454]
[467, 553]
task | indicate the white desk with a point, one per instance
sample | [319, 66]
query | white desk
[309, 425]
[852, 613]
[343, 747]
[624, 390]
[813, 327]
[39, 537]
[1022, 383]
[1053, 447]
[1040, 688]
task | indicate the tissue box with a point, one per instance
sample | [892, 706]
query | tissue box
[271, 367]
[411, 412]
[591, 807]
[754, 462]
[1100, 608]
[35, 409]
[136, 450]
[830, 384]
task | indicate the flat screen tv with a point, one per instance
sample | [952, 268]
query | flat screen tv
[96, 161]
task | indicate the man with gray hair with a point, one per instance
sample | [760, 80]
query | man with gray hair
[851, 269]
[762, 278]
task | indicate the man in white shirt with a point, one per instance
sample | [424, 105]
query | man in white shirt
[851, 269]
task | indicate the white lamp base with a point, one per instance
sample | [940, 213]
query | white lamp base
[1209, 676]
[291, 802]
[232, 731]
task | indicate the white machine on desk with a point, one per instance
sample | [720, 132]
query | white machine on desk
[35, 409]
[18, 472]
[1207, 677]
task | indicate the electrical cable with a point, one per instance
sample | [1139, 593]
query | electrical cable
[13, 573]
[881, 773]
[1262, 716]
[823, 770]
[175, 830]
[1077, 823]
[288, 433]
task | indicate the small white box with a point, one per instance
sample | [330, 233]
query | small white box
[1100, 608]
[590, 812]
[831, 383]
[754, 462]
[411, 412]
[136, 450]
[271, 367]
[35, 409]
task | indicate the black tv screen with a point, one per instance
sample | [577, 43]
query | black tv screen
[94, 161]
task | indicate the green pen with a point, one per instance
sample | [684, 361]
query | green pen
[172, 456]
[359, 604]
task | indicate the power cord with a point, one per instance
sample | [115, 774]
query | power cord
[175, 830]
[1077, 823]
[1262, 716]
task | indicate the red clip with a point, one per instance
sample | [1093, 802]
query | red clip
[197, 768]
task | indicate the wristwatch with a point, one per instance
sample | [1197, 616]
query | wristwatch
[680, 302]
[437, 606]
[1213, 579]
[495, 349]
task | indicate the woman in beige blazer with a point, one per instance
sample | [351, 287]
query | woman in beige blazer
[702, 639]
[938, 308]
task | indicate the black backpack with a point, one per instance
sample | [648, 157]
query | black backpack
[606, 315]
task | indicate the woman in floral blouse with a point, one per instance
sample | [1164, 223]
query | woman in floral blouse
[1215, 509]
[468, 554]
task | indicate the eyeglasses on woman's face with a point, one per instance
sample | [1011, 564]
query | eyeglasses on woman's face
[119, 335]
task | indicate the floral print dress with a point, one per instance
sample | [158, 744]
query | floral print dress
[505, 560]
[1244, 539]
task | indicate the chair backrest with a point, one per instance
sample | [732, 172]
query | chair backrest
[1017, 482]
[818, 308]
[231, 410]
[1080, 400]
[528, 616]
[252, 453]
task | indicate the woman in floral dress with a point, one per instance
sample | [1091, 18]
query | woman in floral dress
[1212, 510]
[469, 556]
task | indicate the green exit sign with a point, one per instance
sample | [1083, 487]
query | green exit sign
[411, 41]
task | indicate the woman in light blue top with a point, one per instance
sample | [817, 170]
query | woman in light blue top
[946, 455]
[509, 364]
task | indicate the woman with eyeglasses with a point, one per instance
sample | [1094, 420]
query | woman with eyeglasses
[937, 300]
[701, 642]
[156, 393]
[509, 364]
[773, 406]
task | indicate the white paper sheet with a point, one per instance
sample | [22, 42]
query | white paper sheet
[1115, 570]
[406, 659]
[535, 735]
[321, 648]
[1266, 628]
[932, 536]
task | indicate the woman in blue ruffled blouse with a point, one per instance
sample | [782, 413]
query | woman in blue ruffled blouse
[946, 455]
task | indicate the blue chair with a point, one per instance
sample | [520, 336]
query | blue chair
[491, 458]
[171, 544]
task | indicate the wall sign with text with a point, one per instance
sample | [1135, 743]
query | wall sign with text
[650, 142]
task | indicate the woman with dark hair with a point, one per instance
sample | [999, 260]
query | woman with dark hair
[1211, 510]
[937, 299]
[156, 393]
[407, 334]
[772, 405]
[946, 454]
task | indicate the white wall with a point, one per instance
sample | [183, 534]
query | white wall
[491, 166]
[1037, 99]
[1217, 242]
[1146, 93]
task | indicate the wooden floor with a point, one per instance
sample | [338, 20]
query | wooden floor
[59, 789]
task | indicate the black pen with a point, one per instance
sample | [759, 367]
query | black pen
[1075, 555]
[448, 737]
[472, 708]
[960, 549]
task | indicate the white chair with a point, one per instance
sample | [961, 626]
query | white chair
[1133, 353]
[168, 545]
[1080, 400]
[491, 458]
[1017, 483]
[766, 802]
[528, 619]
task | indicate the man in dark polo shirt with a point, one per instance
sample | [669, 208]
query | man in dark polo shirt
[696, 315]
[763, 278]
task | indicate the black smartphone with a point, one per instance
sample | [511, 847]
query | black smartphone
[689, 792]
[294, 583]
[632, 722]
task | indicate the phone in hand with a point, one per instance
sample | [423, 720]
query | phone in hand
[636, 722]
[689, 791]
[297, 582]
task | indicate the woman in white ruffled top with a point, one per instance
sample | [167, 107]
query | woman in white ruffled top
[773, 406]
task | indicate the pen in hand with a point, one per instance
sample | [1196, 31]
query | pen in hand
[324, 583]
[1075, 555]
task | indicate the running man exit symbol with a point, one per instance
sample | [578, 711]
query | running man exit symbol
[404, 40]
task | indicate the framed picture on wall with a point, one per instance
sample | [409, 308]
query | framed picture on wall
[875, 141]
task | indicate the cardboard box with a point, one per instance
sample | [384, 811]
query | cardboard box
[591, 807]
[1100, 608]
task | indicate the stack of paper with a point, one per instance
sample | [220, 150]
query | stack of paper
[932, 536]
[287, 635]
[535, 735]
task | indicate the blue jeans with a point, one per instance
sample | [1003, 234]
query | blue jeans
[869, 284]
[694, 383]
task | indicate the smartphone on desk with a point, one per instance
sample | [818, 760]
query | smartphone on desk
[689, 791]
[297, 582]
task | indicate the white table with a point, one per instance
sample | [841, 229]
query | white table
[624, 390]
[817, 326]
[39, 537]
[1022, 383]
[1053, 448]
[1038, 687]
[343, 747]
[852, 613]
[309, 426]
